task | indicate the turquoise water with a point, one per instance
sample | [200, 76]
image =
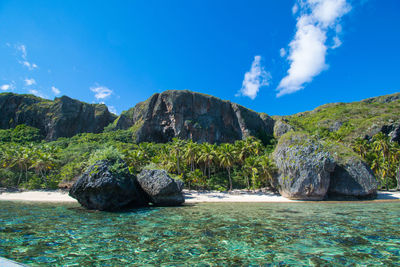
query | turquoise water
[203, 234]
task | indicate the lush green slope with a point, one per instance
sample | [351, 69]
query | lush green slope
[348, 121]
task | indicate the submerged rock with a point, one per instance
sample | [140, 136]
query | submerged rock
[304, 167]
[161, 188]
[102, 187]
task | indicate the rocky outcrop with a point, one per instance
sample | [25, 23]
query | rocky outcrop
[102, 187]
[304, 167]
[352, 178]
[190, 115]
[161, 188]
[281, 127]
[390, 128]
[314, 170]
[63, 117]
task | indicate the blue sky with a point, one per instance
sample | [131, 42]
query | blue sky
[278, 57]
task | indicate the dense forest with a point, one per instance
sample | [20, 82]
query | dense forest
[27, 161]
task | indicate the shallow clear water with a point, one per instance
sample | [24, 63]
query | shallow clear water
[203, 234]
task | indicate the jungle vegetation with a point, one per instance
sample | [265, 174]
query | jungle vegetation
[27, 161]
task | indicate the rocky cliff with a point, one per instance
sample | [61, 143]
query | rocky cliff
[63, 117]
[196, 116]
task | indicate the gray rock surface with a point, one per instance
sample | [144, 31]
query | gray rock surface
[281, 127]
[196, 116]
[161, 188]
[304, 167]
[102, 188]
[63, 117]
[353, 179]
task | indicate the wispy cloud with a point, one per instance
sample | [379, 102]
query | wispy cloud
[24, 56]
[55, 90]
[316, 18]
[37, 93]
[29, 82]
[254, 79]
[282, 52]
[101, 92]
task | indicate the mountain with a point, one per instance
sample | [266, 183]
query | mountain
[200, 117]
[348, 121]
[191, 115]
[63, 117]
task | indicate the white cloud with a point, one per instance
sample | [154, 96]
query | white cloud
[22, 49]
[295, 8]
[37, 93]
[29, 65]
[24, 56]
[101, 92]
[308, 48]
[55, 90]
[254, 79]
[113, 109]
[336, 42]
[29, 82]
[282, 52]
[6, 87]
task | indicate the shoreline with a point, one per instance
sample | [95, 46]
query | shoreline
[191, 197]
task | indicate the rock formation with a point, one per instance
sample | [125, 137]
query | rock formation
[63, 117]
[352, 178]
[101, 187]
[161, 188]
[304, 167]
[196, 116]
[313, 170]
[281, 127]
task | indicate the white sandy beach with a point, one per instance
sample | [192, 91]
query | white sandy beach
[190, 196]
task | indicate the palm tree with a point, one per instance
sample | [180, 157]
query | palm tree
[177, 146]
[226, 155]
[360, 146]
[207, 156]
[267, 169]
[382, 148]
[190, 153]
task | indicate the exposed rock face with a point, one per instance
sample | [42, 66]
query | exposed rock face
[195, 116]
[304, 167]
[162, 189]
[281, 127]
[353, 179]
[391, 129]
[63, 117]
[102, 188]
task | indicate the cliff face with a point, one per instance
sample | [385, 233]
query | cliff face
[190, 115]
[63, 117]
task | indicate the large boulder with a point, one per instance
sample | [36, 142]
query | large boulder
[161, 189]
[352, 178]
[104, 187]
[304, 167]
